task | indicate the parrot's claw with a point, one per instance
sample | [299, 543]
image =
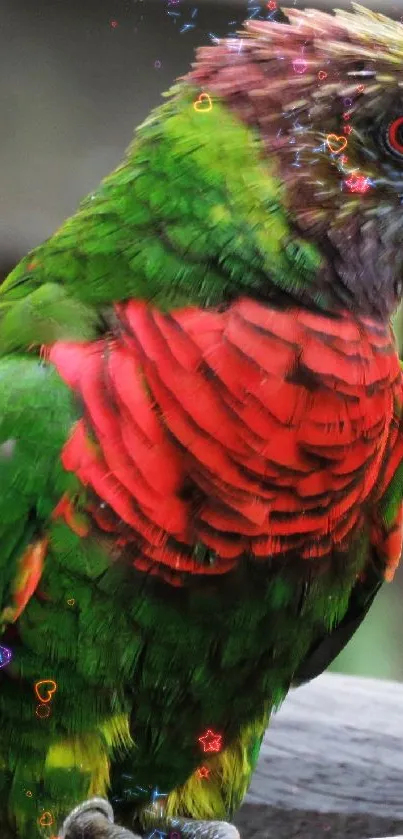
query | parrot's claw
[160, 825]
[93, 819]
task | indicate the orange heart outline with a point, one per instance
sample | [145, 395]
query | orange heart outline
[44, 819]
[198, 103]
[50, 691]
[342, 141]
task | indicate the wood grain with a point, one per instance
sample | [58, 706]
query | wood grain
[331, 763]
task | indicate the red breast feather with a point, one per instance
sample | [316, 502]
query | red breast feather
[251, 431]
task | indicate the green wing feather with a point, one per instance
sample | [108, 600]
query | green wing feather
[36, 410]
[194, 215]
[49, 763]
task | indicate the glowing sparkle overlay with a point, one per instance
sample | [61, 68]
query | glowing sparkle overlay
[255, 11]
[5, 656]
[355, 182]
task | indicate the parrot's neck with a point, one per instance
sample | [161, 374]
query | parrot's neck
[358, 237]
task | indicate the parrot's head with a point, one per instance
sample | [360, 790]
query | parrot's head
[325, 94]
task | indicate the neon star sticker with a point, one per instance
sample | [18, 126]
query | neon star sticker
[203, 772]
[211, 742]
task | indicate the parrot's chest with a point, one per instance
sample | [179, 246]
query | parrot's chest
[209, 437]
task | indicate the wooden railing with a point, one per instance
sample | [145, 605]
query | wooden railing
[331, 764]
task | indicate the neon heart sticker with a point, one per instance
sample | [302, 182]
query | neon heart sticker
[201, 103]
[336, 144]
[48, 691]
[46, 819]
[322, 75]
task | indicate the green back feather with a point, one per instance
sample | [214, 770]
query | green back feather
[194, 216]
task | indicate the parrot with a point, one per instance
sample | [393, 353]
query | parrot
[201, 441]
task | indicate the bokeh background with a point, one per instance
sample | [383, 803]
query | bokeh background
[76, 77]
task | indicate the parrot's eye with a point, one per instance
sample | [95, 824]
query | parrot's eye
[394, 138]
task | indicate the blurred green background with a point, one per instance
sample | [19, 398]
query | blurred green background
[75, 79]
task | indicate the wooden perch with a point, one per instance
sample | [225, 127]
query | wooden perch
[331, 764]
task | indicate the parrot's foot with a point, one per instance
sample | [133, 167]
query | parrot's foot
[157, 823]
[195, 829]
[93, 820]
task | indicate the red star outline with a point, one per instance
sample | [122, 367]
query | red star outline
[211, 742]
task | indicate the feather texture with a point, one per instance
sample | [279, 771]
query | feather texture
[201, 463]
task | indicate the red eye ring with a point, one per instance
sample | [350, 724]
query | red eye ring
[393, 130]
